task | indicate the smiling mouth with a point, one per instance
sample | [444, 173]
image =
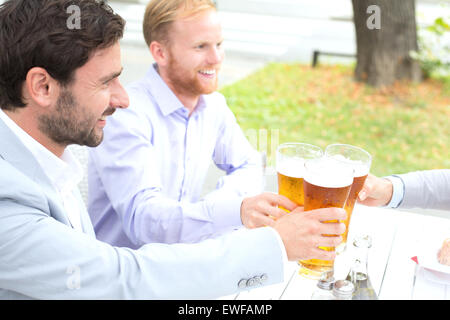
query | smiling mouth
[208, 72]
[107, 113]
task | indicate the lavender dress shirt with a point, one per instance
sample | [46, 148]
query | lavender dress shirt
[146, 177]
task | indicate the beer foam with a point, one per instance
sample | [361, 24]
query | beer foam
[329, 173]
[361, 168]
[294, 168]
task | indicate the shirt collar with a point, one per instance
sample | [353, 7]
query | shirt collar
[165, 99]
[65, 172]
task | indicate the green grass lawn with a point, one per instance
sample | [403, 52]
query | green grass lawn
[405, 127]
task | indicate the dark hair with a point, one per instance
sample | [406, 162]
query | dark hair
[37, 33]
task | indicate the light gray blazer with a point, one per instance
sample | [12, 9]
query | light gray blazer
[42, 257]
[429, 189]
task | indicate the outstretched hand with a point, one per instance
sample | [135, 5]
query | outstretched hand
[375, 192]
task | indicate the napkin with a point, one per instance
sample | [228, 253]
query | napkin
[430, 284]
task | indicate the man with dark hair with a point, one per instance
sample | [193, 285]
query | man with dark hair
[57, 86]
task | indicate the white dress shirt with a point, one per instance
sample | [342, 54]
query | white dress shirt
[65, 173]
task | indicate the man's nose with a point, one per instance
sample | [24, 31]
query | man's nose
[119, 97]
[216, 55]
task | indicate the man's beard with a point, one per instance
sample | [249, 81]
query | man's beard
[70, 124]
[185, 83]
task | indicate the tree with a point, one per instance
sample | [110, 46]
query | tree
[385, 35]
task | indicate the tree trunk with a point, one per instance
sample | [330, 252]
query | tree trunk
[383, 50]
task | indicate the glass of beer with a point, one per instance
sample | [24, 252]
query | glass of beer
[326, 184]
[290, 164]
[360, 160]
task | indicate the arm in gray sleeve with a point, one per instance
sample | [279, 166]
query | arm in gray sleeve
[429, 189]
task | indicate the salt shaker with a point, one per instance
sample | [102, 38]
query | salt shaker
[343, 290]
[324, 290]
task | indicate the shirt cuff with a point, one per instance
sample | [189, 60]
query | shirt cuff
[398, 191]
[226, 211]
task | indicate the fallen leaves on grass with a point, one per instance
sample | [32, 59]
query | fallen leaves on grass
[405, 126]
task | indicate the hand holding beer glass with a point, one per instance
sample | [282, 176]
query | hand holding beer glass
[290, 164]
[326, 184]
[360, 160]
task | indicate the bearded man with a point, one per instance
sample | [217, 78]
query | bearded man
[146, 178]
[57, 87]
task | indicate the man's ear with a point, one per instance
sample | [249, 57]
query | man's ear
[40, 87]
[159, 52]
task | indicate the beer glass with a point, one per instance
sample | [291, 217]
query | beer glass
[360, 160]
[290, 164]
[326, 184]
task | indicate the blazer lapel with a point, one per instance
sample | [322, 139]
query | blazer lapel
[13, 151]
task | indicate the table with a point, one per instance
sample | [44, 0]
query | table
[394, 275]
